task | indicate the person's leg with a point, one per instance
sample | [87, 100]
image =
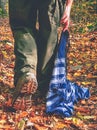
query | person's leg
[49, 18]
[22, 15]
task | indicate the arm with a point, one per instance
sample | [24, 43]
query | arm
[66, 15]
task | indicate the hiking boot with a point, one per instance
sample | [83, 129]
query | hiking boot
[26, 84]
[23, 102]
[21, 97]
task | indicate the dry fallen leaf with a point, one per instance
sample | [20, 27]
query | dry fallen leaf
[82, 68]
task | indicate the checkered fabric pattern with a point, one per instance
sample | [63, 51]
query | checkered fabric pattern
[63, 94]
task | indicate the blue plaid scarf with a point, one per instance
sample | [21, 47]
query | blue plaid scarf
[63, 94]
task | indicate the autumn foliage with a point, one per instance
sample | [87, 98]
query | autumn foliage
[82, 69]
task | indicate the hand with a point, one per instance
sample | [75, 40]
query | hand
[65, 20]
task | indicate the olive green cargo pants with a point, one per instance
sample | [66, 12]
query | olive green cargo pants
[35, 46]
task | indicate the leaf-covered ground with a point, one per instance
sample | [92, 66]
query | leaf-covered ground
[82, 69]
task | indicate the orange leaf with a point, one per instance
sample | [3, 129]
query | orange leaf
[23, 114]
[82, 109]
[89, 75]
